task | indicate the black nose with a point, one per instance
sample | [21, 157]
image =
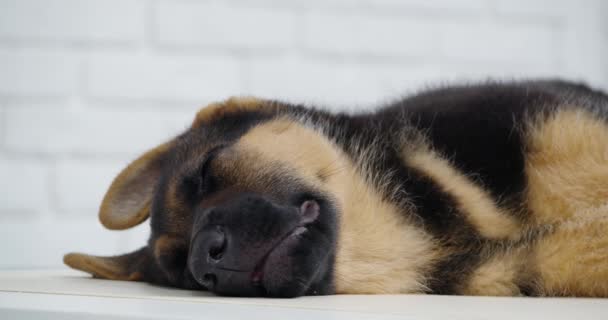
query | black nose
[212, 263]
[216, 241]
[209, 245]
[230, 241]
[207, 251]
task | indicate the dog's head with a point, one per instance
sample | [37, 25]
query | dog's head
[239, 205]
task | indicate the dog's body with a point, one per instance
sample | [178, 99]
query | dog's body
[493, 189]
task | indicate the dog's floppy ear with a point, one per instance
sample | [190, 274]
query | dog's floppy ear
[131, 266]
[127, 202]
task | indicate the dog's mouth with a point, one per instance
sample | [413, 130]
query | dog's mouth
[309, 212]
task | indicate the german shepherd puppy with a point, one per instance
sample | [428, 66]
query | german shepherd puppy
[490, 189]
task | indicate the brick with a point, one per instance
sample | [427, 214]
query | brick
[338, 84]
[56, 130]
[2, 126]
[461, 6]
[500, 42]
[534, 8]
[303, 4]
[195, 80]
[581, 51]
[604, 82]
[81, 185]
[221, 24]
[604, 8]
[72, 20]
[23, 186]
[32, 73]
[441, 6]
[369, 35]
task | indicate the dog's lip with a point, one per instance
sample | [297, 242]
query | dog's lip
[257, 276]
[309, 212]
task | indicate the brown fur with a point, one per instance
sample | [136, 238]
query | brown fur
[573, 260]
[165, 244]
[567, 165]
[114, 268]
[499, 275]
[230, 106]
[567, 169]
[368, 260]
[127, 201]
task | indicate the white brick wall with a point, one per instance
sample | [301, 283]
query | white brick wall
[521, 43]
[85, 21]
[24, 187]
[55, 130]
[162, 78]
[375, 35]
[39, 73]
[223, 25]
[86, 85]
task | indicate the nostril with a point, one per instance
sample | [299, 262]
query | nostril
[216, 253]
[209, 281]
[218, 245]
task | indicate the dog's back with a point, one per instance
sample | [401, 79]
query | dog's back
[511, 180]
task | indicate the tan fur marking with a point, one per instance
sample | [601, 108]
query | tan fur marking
[232, 105]
[164, 244]
[499, 275]
[378, 252]
[489, 220]
[567, 170]
[127, 201]
[567, 165]
[573, 261]
[100, 267]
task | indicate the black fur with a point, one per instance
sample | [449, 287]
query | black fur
[477, 127]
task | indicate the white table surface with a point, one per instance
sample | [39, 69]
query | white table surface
[73, 295]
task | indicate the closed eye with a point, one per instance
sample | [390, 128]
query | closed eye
[205, 178]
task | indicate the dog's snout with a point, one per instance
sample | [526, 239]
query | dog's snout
[227, 256]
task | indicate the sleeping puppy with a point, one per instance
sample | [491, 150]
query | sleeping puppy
[490, 189]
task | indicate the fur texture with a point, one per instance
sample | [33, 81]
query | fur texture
[489, 189]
